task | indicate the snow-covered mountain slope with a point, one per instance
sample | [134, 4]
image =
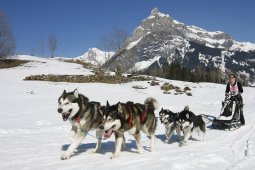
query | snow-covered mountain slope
[33, 135]
[161, 39]
[95, 56]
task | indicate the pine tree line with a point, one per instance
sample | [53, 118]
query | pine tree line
[175, 71]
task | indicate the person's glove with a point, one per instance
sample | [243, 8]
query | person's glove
[238, 96]
[226, 96]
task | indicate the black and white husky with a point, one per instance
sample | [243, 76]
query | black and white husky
[83, 115]
[187, 121]
[132, 118]
[168, 119]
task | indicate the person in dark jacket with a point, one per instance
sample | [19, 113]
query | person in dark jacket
[234, 88]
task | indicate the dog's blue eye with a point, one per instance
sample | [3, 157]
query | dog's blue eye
[67, 103]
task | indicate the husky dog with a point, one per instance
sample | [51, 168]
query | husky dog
[83, 115]
[133, 118]
[168, 118]
[187, 121]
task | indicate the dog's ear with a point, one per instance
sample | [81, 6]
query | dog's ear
[101, 110]
[119, 108]
[161, 108]
[64, 92]
[107, 104]
[186, 108]
[187, 116]
[76, 93]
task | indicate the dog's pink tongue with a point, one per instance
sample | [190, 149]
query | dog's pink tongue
[108, 134]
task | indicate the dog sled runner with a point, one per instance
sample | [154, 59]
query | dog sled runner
[229, 118]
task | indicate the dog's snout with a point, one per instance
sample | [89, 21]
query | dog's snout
[60, 110]
[101, 127]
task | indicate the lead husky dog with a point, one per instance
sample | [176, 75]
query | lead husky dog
[83, 115]
[187, 121]
[168, 118]
[133, 118]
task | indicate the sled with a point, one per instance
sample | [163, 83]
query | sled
[229, 118]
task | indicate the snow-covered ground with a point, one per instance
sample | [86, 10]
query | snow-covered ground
[33, 135]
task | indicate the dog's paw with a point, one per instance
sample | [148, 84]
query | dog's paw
[116, 155]
[65, 156]
[166, 141]
[140, 151]
[180, 143]
[184, 143]
[93, 152]
[170, 142]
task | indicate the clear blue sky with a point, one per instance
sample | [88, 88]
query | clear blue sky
[79, 24]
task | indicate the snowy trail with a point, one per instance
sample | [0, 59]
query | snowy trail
[33, 135]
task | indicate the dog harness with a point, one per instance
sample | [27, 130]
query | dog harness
[143, 116]
[130, 119]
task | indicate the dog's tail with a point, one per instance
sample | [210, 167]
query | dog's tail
[204, 118]
[186, 108]
[207, 118]
[151, 101]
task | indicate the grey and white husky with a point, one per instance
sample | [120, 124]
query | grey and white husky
[83, 116]
[132, 118]
[168, 119]
[187, 122]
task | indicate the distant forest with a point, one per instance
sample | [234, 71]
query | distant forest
[175, 71]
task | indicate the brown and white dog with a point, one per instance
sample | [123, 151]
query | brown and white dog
[83, 115]
[132, 118]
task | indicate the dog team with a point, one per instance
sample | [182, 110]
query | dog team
[130, 117]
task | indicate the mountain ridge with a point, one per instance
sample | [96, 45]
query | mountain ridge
[159, 39]
[95, 56]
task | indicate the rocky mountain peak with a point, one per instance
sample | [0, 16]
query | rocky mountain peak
[156, 22]
[160, 39]
[155, 11]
